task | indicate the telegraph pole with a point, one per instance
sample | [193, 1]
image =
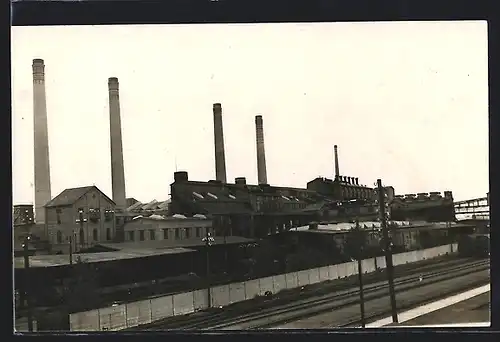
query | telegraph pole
[208, 239]
[71, 249]
[388, 250]
[27, 282]
[359, 237]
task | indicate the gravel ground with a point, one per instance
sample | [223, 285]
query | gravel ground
[476, 309]
[339, 317]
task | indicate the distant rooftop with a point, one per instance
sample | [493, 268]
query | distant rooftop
[71, 195]
[61, 260]
[162, 245]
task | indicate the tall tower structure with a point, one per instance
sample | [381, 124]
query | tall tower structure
[115, 127]
[220, 157]
[336, 157]
[261, 152]
[41, 141]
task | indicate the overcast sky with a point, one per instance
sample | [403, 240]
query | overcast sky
[405, 102]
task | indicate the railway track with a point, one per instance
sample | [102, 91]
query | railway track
[203, 320]
[343, 299]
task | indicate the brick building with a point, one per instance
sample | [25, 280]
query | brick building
[84, 213]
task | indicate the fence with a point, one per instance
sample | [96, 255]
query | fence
[146, 311]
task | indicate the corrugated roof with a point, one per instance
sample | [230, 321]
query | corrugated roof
[135, 206]
[151, 205]
[71, 195]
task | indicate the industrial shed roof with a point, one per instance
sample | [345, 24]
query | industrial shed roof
[129, 253]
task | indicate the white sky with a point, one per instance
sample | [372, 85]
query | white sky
[404, 101]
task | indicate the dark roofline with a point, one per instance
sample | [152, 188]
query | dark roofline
[234, 185]
[90, 187]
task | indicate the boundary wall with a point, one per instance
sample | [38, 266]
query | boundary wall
[149, 310]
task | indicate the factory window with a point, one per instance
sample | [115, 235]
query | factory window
[131, 236]
[59, 236]
[177, 233]
[188, 233]
[108, 234]
[95, 235]
[152, 234]
[198, 195]
[165, 234]
[141, 235]
[198, 231]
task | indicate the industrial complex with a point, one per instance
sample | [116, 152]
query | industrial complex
[229, 222]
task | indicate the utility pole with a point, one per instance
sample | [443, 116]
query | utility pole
[388, 250]
[359, 238]
[71, 249]
[224, 227]
[27, 282]
[209, 240]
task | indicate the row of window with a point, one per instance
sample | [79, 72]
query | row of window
[94, 215]
[95, 235]
[199, 232]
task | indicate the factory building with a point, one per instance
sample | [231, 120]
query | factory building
[245, 210]
[341, 188]
[86, 214]
[176, 228]
[431, 207]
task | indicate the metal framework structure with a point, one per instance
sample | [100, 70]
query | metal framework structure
[479, 208]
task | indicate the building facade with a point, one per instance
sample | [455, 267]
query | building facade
[431, 207]
[83, 215]
[170, 228]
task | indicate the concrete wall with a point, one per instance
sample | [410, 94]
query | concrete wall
[150, 310]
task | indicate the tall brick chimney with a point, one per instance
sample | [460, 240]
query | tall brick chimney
[220, 157]
[41, 141]
[261, 152]
[336, 157]
[115, 128]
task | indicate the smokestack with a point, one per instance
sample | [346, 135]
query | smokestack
[41, 141]
[115, 128]
[336, 157]
[220, 158]
[261, 152]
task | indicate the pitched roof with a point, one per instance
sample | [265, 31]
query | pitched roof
[70, 196]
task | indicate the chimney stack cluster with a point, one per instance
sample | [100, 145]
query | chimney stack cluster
[220, 160]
